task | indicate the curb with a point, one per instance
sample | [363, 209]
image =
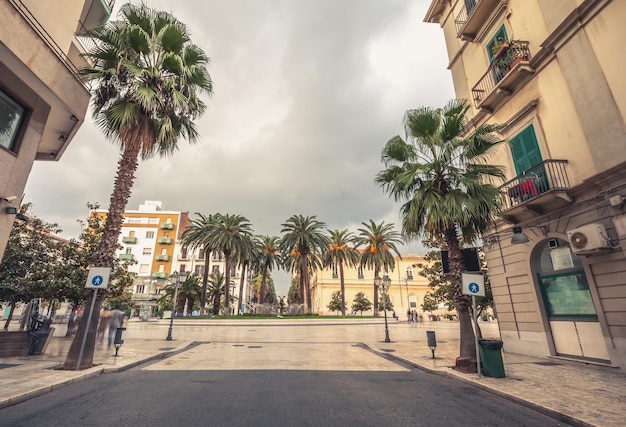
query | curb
[542, 409]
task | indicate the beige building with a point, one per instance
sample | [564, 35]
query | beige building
[549, 72]
[42, 100]
[406, 292]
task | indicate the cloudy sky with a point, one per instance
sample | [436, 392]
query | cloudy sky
[306, 94]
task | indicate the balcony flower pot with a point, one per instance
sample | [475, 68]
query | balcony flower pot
[500, 50]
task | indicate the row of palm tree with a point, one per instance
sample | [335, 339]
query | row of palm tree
[306, 246]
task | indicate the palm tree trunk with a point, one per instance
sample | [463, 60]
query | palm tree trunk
[343, 289]
[467, 339]
[241, 283]
[127, 166]
[227, 285]
[263, 289]
[205, 279]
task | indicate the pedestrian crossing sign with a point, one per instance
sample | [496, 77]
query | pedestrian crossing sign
[98, 278]
[473, 284]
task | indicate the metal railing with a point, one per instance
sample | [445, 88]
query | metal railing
[514, 52]
[547, 175]
[464, 14]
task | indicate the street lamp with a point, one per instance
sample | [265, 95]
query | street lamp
[406, 283]
[177, 281]
[386, 283]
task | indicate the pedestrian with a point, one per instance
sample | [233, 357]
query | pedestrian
[409, 316]
[117, 321]
[421, 320]
[103, 324]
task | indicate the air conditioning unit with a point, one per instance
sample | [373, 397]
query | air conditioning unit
[588, 238]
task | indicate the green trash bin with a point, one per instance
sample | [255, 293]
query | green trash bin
[491, 357]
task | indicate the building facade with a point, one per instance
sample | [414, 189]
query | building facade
[548, 72]
[43, 102]
[406, 292]
[151, 238]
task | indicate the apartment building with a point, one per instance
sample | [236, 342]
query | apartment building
[151, 237]
[406, 291]
[549, 73]
[43, 102]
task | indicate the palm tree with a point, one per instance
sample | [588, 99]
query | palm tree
[441, 175]
[148, 77]
[216, 290]
[340, 253]
[187, 294]
[379, 240]
[196, 236]
[303, 239]
[269, 257]
[245, 260]
[229, 235]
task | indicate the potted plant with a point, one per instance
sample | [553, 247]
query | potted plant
[498, 47]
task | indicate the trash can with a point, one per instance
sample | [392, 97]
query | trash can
[491, 357]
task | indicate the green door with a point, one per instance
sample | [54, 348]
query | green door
[526, 155]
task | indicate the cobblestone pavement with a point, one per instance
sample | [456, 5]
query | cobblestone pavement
[578, 393]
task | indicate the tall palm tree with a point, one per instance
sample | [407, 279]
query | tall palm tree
[229, 235]
[196, 236]
[187, 294]
[440, 173]
[269, 257]
[303, 238]
[379, 241]
[216, 290]
[148, 77]
[245, 260]
[340, 253]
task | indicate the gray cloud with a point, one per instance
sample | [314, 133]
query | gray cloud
[306, 95]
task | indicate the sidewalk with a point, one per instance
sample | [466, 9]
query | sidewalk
[577, 393]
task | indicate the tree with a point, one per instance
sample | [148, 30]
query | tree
[269, 257]
[304, 240]
[361, 303]
[216, 290]
[337, 302]
[440, 172]
[148, 77]
[340, 253]
[229, 234]
[381, 302]
[380, 241]
[245, 259]
[196, 236]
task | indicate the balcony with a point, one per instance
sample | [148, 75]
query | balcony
[509, 68]
[129, 240]
[539, 190]
[95, 13]
[159, 275]
[167, 226]
[165, 240]
[473, 16]
[126, 257]
[162, 257]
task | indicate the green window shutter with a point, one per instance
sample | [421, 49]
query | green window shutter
[499, 35]
[525, 150]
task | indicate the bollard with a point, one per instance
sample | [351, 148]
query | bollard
[432, 341]
[119, 339]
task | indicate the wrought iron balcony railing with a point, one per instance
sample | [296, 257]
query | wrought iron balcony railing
[547, 175]
[508, 56]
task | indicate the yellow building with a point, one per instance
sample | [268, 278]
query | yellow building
[42, 100]
[406, 292]
[548, 71]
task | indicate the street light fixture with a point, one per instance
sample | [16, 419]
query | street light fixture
[178, 279]
[386, 283]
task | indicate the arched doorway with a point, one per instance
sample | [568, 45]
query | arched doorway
[567, 302]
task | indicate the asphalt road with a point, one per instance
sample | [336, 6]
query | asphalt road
[194, 388]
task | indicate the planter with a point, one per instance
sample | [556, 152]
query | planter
[501, 49]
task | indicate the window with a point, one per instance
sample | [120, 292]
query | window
[495, 42]
[183, 253]
[144, 268]
[11, 115]
[201, 254]
[215, 269]
[128, 251]
[335, 274]
[183, 268]
[140, 289]
[161, 268]
[163, 251]
[360, 272]
[409, 274]
[147, 251]
[153, 220]
[199, 270]
[149, 234]
[131, 234]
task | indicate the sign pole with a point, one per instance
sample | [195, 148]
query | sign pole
[476, 334]
[82, 345]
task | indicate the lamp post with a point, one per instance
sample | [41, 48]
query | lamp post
[386, 283]
[406, 283]
[177, 281]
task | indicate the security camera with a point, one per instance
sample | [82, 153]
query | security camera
[9, 199]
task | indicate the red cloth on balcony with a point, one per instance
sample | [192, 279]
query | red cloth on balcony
[528, 188]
